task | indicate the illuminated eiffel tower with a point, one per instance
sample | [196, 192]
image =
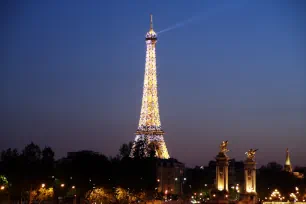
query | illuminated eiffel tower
[149, 128]
[288, 166]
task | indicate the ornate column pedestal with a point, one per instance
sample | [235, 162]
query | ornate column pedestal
[249, 194]
[222, 172]
[219, 195]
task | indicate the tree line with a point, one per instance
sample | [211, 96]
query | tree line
[33, 172]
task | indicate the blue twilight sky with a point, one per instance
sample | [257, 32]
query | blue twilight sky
[72, 75]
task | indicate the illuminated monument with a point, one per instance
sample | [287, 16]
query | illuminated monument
[222, 168]
[149, 128]
[288, 166]
[250, 172]
[219, 195]
[249, 194]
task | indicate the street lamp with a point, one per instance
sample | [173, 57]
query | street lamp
[73, 187]
[43, 185]
[2, 188]
[62, 185]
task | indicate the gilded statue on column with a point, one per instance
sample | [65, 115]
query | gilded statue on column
[251, 154]
[223, 147]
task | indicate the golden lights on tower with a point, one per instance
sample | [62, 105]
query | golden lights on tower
[149, 123]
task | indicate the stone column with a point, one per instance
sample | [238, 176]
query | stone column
[250, 176]
[222, 172]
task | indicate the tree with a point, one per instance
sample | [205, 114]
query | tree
[10, 167]
[32, 153]
[3, 181]
[47, 162]
[41, 194]
[9, 154]
[48, 154]
[84, 169]
[98, 195]
[10, 163]
[125, 150]
[122, 196]
[140, 148]
[153, 149]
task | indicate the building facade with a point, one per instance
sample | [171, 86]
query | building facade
[170, 176]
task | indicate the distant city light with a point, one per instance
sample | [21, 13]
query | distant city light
[62, 185]
[43, 185]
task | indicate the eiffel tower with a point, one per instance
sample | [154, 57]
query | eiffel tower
[288, 166]
[149, 128]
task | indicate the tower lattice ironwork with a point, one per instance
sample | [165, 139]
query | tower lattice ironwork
[149, 128]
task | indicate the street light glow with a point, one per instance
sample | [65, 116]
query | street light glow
[43, 185]
[62, 185]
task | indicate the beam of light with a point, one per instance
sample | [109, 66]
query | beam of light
[197, 17]
[180, 24]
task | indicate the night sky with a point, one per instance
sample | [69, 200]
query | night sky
[72, 75]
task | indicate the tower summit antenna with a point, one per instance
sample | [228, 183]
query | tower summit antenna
[151, 22]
